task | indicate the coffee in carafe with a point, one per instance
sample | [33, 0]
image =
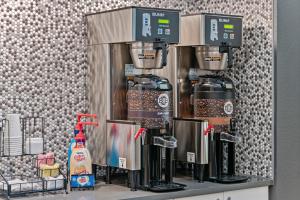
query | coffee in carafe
[214, 101]
[150, 101]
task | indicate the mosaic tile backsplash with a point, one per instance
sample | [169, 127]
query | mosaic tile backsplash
[43, 65]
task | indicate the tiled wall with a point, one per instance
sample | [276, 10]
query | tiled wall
[43, 67]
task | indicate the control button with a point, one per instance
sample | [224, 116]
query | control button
[214, 27]
[232, 36]
[160, 31]
[167, 31]
[225, 35]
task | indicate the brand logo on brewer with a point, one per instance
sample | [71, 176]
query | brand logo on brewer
[156, 14]
[228, 108]
[163, 100]
[224, 20]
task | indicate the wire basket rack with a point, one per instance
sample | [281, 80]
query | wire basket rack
[43, 181]
[31, 141]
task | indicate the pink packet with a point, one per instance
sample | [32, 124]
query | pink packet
[50, 158]
[41, 159]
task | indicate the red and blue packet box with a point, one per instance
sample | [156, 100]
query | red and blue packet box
[82, 181]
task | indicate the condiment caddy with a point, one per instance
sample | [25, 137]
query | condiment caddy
[25, 136]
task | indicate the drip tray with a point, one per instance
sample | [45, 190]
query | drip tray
[230, 179]
[166, 187]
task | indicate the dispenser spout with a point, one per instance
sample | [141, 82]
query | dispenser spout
[225, 48]
[80, 138]
[160, 44]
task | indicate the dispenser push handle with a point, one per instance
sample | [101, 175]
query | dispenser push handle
[88, 123]
[165, 141]
[209, 129]
[80, 115]
[229, 138]
[139, 132]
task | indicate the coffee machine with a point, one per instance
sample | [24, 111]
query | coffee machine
[205, 125]
[130, 89]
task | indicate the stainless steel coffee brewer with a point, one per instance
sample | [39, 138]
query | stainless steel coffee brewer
[128, 57]
[204, 121]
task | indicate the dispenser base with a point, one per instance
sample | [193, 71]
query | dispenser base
[161, 186]
[227, 179]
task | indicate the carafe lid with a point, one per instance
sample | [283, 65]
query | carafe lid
[214, 83]
[151, 82]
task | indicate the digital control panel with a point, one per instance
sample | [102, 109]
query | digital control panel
[152, 24]
[223, 29]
